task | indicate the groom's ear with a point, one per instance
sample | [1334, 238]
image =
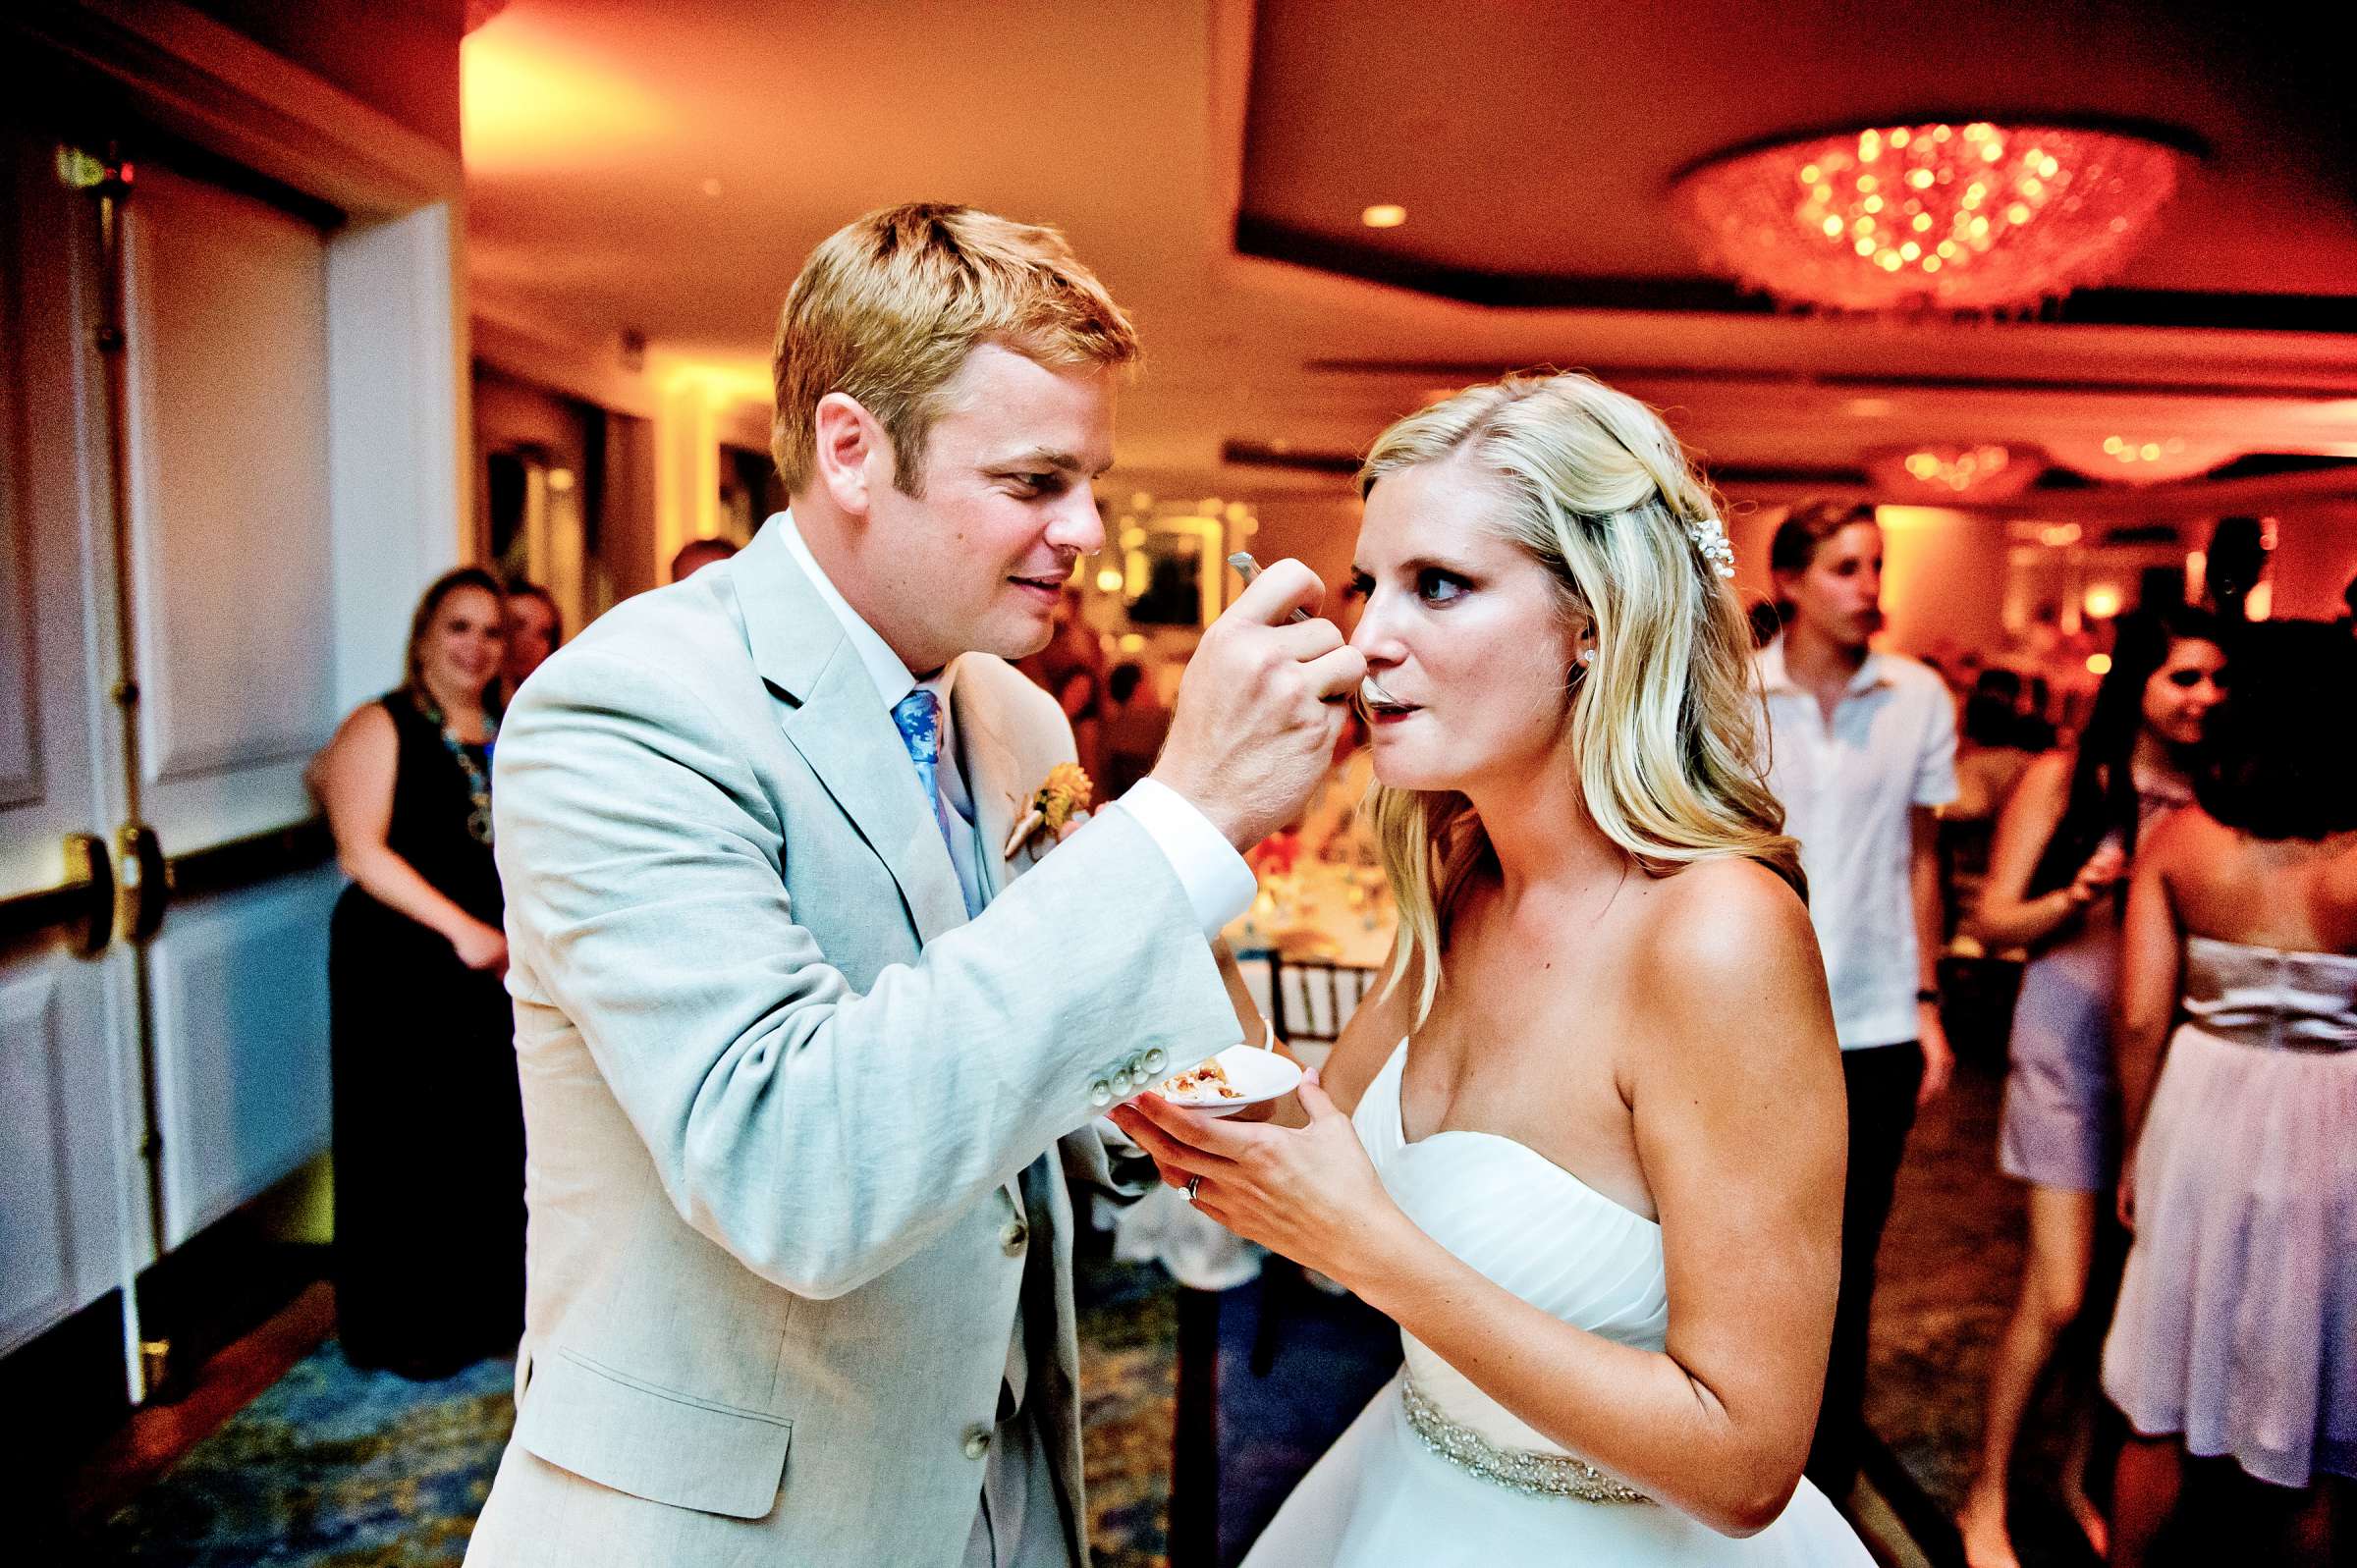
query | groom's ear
[849, 442]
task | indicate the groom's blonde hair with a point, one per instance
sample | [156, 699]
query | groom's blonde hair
[1663, 723]
[889, 306]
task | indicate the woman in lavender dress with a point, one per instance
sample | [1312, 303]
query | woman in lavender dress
[2063, 842]
[2236, 1333]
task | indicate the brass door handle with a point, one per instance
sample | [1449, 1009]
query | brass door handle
[91, 880]
[146, 889]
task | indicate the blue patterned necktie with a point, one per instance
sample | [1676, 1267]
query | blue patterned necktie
[917, 716]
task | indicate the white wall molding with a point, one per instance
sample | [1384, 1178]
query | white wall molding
[400, 493]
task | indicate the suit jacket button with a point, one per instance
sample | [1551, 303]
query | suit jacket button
[977, 1440]
[1157, 1058]
[1011, 1239]
[1100, 1092]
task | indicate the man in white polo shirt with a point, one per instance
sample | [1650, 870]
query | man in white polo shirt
[1862, 754]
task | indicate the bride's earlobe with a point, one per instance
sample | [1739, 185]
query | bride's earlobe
[1582, 658]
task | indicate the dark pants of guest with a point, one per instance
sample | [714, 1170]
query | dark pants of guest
[1882, 1081]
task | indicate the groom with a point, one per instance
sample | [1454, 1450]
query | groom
[800, 1042]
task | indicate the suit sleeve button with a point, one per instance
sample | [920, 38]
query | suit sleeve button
[1156, 1060]
[977, 1440]
[1011, 1239]
[1100, 1092]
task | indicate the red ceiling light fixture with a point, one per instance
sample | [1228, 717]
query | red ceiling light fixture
[1971, 217]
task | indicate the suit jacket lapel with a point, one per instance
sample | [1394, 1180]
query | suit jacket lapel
[839, 725]
[994, 778]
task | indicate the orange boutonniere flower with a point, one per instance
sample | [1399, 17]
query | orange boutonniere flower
[1065, 795]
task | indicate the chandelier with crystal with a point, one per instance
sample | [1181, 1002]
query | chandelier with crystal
[1983, 471]
[1978, 217]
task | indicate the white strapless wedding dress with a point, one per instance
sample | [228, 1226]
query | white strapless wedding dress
[1436, 1472]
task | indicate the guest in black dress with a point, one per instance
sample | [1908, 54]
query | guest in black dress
[428, 1127]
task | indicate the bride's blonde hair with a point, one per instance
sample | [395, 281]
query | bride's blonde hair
[1663, 723]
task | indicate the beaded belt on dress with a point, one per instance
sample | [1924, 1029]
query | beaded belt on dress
[1542, 1474]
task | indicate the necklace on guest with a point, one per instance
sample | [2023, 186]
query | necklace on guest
[479, 781]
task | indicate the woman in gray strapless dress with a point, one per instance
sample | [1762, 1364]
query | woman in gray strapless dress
[2063, 842]
[2236, 1333]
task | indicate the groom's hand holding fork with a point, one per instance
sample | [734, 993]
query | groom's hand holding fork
[1257, 715]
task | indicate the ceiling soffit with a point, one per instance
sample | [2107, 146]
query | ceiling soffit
[1533, 149]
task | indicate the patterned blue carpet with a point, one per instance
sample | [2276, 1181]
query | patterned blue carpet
[329, 1468]
[1951, 1266]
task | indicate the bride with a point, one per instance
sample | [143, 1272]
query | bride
[1586, 1147]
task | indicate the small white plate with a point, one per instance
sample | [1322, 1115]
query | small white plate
[1257, 1076]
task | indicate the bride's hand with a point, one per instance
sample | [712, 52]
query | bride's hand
[1310, 1193]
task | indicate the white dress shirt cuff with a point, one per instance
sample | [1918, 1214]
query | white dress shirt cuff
[1219, 885]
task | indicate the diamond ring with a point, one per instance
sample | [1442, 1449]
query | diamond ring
[1194, 1184]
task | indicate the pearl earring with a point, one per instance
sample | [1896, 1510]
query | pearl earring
[1587, 656]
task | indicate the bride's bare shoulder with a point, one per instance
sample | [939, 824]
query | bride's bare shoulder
[1730, 942]
[1726, 898]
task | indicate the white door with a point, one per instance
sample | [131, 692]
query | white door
[169, 618]
[74, 1219]
[231, 593]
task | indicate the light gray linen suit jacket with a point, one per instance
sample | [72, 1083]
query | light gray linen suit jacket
[780, 1094]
